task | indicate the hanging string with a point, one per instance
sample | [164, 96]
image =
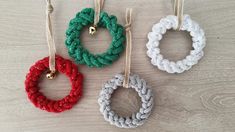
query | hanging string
[50, 38]
[178, 11]
[98, 7]
[128, 47]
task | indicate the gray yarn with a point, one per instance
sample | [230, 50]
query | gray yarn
[136, 119]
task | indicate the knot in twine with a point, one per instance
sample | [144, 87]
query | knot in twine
[128, 25]
[128, 47]
[49, 7]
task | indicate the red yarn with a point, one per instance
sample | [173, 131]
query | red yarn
[39, 100]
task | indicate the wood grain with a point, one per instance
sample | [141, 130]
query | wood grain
[200, 100]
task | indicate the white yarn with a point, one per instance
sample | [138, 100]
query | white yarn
[159, 29]
[136, 119]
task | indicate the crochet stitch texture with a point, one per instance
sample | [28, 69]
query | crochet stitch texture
[136, 119]
[39, 100]
[159, 29]
[82, 55]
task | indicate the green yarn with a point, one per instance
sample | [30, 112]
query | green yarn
[82, 55]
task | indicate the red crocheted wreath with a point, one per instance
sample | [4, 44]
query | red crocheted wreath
[39, 100]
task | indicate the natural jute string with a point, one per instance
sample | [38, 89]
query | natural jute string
[128, 47]
[50, 38]
[98, 7]
[179, 11]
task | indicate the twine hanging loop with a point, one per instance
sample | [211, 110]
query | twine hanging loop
[50, 41]
[128, 47]
[98, 7]
[179, 11]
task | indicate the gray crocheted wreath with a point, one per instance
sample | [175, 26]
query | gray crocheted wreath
[136, 119]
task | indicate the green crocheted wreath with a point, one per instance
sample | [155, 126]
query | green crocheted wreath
[82, 55]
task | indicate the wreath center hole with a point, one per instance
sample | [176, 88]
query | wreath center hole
[97, 43]
[55, 89]
[176, 45]
[125, 101]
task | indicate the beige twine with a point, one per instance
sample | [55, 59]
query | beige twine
[49, 35]
[98, 7]
[128, 47]
[178, 11]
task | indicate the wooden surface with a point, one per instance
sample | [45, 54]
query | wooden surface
[200, 100]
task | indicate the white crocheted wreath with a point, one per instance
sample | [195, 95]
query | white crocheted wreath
[159, 29]
[136, 119]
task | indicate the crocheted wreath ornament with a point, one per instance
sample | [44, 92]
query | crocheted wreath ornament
[39, 100]
[82, 55]
[159, 29]
[136, 119]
